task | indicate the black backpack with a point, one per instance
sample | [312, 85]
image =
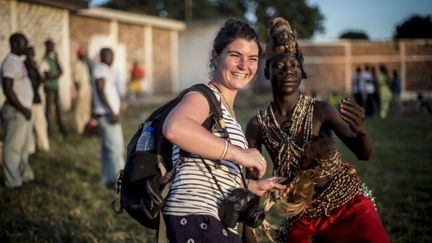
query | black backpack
[145, 180]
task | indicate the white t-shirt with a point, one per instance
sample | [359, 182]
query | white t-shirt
[357, 83]
[368, 81]
[13, 68]
[101, 70]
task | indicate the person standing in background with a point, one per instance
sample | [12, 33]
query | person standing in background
[16, 114]
[51, 71]
[81, 78]
[106, 107]
[370, 91]
[135, 86]
[395, 87]
[40, 141]
[384, 90]
[358, 87]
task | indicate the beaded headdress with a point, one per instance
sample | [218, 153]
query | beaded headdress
[283, 41]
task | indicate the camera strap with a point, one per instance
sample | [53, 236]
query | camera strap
[220, 124]
[216, 181]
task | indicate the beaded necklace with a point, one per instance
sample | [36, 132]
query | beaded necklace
[283, 141]
[338, 181]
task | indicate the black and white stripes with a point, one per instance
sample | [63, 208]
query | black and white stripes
[194, 190]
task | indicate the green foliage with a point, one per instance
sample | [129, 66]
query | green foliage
[304, 18]
[415, 27]
[68, 203]
[354, 35]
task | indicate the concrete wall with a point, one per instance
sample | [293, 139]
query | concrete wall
[151, 41]
[195, 47]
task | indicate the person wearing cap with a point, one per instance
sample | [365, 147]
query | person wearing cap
[81, 78]
[325, 198]
[51, 71]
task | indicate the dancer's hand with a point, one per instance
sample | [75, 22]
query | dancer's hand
[354, 115]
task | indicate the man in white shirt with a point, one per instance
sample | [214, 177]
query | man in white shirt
[358, 89]
[16, 114]
[106, 107]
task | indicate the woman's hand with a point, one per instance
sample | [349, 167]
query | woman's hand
[262, 186]
[249, 158]
[354, 115]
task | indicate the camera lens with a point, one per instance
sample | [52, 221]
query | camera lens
[254, 216]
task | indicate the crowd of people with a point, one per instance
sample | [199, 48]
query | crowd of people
[376, 91]
[31, 90]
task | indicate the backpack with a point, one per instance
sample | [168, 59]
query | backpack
[144, 182]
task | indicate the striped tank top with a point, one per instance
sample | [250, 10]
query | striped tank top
[193, 190]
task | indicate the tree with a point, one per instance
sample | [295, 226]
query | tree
[176, 9]
[304, 18]
[354, 35]
[416, 27]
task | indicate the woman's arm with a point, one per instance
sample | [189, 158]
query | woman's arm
[183, 128]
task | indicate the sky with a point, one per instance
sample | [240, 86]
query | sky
[377, 18]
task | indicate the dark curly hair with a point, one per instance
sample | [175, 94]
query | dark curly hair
[231, 30]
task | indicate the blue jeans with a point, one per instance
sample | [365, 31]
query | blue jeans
[17, 134]
[112, 149]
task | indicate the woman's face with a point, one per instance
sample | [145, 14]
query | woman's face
[237, 64]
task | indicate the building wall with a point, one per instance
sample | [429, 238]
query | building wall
[152, 41]
[5, 26]
[330, 65]
[153, 47]
[162, 61]
[133, 37]
[83, 28]
[194, 51]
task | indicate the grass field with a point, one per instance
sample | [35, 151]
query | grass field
[67, 202]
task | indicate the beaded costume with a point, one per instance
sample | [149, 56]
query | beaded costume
[326, 200]
[336, 182]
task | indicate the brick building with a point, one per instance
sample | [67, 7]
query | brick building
[331, 65]
[40, 20]
[152, 41]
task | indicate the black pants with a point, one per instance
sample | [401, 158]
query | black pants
[52, 97]
[198, 229]
[359, 99]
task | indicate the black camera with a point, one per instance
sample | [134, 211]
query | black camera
[241, 205]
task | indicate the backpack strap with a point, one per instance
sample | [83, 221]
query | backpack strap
[215, 107]
[214, 118]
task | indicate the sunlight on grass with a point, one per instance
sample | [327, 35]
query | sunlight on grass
[68, 203]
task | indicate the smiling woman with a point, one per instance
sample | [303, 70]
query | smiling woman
[212, 174]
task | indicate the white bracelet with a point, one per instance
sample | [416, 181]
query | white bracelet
[224, 153]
